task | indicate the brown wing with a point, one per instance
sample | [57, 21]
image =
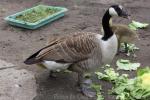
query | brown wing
[71, 49]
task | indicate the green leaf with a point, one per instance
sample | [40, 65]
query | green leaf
[112, 75]
[139, 25]
[100, 97]
[97, 87]
[131, 48]
[101, 75]
[124, 61]
[127, 65]
[142, 71]
[123, 96]
[135, 25]
[146, 94]
[137, 93]
[145, 81]
[131, 26]
[109, 75]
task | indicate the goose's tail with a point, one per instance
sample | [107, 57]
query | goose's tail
[33, 59]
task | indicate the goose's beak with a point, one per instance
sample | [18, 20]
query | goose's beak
[124, 14]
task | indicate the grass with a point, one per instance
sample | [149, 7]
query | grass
[36, 14]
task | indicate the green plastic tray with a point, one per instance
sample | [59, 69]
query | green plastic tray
[13, 21]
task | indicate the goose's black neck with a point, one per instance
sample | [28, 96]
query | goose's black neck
[107, 30]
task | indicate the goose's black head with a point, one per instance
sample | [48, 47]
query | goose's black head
[118, 10]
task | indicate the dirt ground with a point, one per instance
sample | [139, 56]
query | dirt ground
[16, 44]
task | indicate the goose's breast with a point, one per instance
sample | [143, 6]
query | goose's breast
[52, 65]
[108, 48]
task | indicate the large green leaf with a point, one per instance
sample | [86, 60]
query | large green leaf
[127, 65]
[139, 25]
[135, 25]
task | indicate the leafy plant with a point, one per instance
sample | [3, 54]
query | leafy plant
[109, 75]
[127, 65]
[144, 77]
[98, 89]
[136, 25]
[124, 88]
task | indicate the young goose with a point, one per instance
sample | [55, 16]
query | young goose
[124, 34]
[81, 52]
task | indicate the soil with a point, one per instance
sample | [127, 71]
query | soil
[16, 44]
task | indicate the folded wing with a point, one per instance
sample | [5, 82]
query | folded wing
[70, 49]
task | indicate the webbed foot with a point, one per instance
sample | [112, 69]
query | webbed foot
[86, 88]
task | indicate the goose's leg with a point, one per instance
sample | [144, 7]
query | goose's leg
[123, 51]
[84, 82]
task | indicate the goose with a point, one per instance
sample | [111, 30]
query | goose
[81, 52]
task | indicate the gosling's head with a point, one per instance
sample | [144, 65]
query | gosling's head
[118, 10]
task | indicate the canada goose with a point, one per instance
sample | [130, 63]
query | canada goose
[81, 52]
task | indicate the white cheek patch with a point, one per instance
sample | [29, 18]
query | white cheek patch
[112, 12]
